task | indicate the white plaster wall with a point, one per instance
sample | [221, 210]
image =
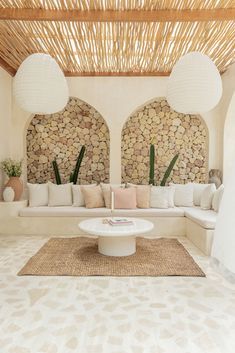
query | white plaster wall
[116, 98]
[228, 123]
[5, 119]
[229, 140]
[215, 120]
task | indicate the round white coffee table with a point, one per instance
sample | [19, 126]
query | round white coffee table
[118, 240]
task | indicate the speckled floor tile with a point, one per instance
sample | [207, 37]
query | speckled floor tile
[112, 315]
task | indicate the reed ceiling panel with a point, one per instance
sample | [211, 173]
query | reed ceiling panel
[111, 47]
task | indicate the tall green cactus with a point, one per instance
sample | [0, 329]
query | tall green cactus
[56, 171]
[74, 176]
[151, 162]
[169, 170]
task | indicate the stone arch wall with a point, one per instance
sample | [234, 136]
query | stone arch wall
[61, 136]
[174, 133]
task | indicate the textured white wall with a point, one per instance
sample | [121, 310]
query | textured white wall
[5, 119]
[228, 124]
[116, 98]
[217, 119]
[229, 140]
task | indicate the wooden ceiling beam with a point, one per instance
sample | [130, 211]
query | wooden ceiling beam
[7, 67]
[29, 14]
[109, 74]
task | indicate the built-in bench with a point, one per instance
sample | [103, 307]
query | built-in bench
[197, 224]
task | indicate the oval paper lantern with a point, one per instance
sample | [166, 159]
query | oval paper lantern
[194, 85]
[39, 85]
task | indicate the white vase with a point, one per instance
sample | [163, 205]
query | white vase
[8, 194]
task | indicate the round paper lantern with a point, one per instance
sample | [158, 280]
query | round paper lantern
[194, 85]
[39, 85]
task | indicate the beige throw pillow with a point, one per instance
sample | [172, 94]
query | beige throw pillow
[142, 195]
[78, 199]
[106, 188]
[93, 196]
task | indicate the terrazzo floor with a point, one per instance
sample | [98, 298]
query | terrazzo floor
[112, 315]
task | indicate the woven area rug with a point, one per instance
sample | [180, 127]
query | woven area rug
[79, 257]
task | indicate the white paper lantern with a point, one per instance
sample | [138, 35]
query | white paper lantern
[39, 85]
[194, 85]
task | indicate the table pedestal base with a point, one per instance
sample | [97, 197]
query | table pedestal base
[117, 246]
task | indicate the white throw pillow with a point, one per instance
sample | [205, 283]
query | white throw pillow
[60, 195]
[159, 197]
[183, 194]
[78, 199]
[218, 194]
[207, 196]
[38, 194]
[197, 192]
[171, 195]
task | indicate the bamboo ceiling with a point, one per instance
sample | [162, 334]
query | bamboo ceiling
[116, 37]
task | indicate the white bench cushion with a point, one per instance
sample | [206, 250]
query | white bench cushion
[70, 211]
[64, 211]
[205, 218]
[151, 212]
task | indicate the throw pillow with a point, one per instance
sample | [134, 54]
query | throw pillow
[78, 199]
[142, 195]
[207, 196]
[106, 189]
[197, 192]
[218, 194]
[171, 195]
[159, 197]
[38, 194]
[183, 194]
[60, 195]
[93, 196]
[125, 198]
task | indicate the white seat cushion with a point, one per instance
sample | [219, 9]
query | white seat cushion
[70, 211]
[151, 212]
[205, 218]
[64, 211]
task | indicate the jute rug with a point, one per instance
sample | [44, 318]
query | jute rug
[79, 257]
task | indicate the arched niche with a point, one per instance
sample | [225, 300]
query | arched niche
[174, 133]
[60, 136]
[229, 140]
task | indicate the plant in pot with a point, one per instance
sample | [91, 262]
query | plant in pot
[13, 170]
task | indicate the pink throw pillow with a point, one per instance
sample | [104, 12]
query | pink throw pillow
[125, 198]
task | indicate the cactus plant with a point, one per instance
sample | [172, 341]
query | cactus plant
[71, 178]
[56, 171]
[74, 176]
[151, 162]
[169, 170]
